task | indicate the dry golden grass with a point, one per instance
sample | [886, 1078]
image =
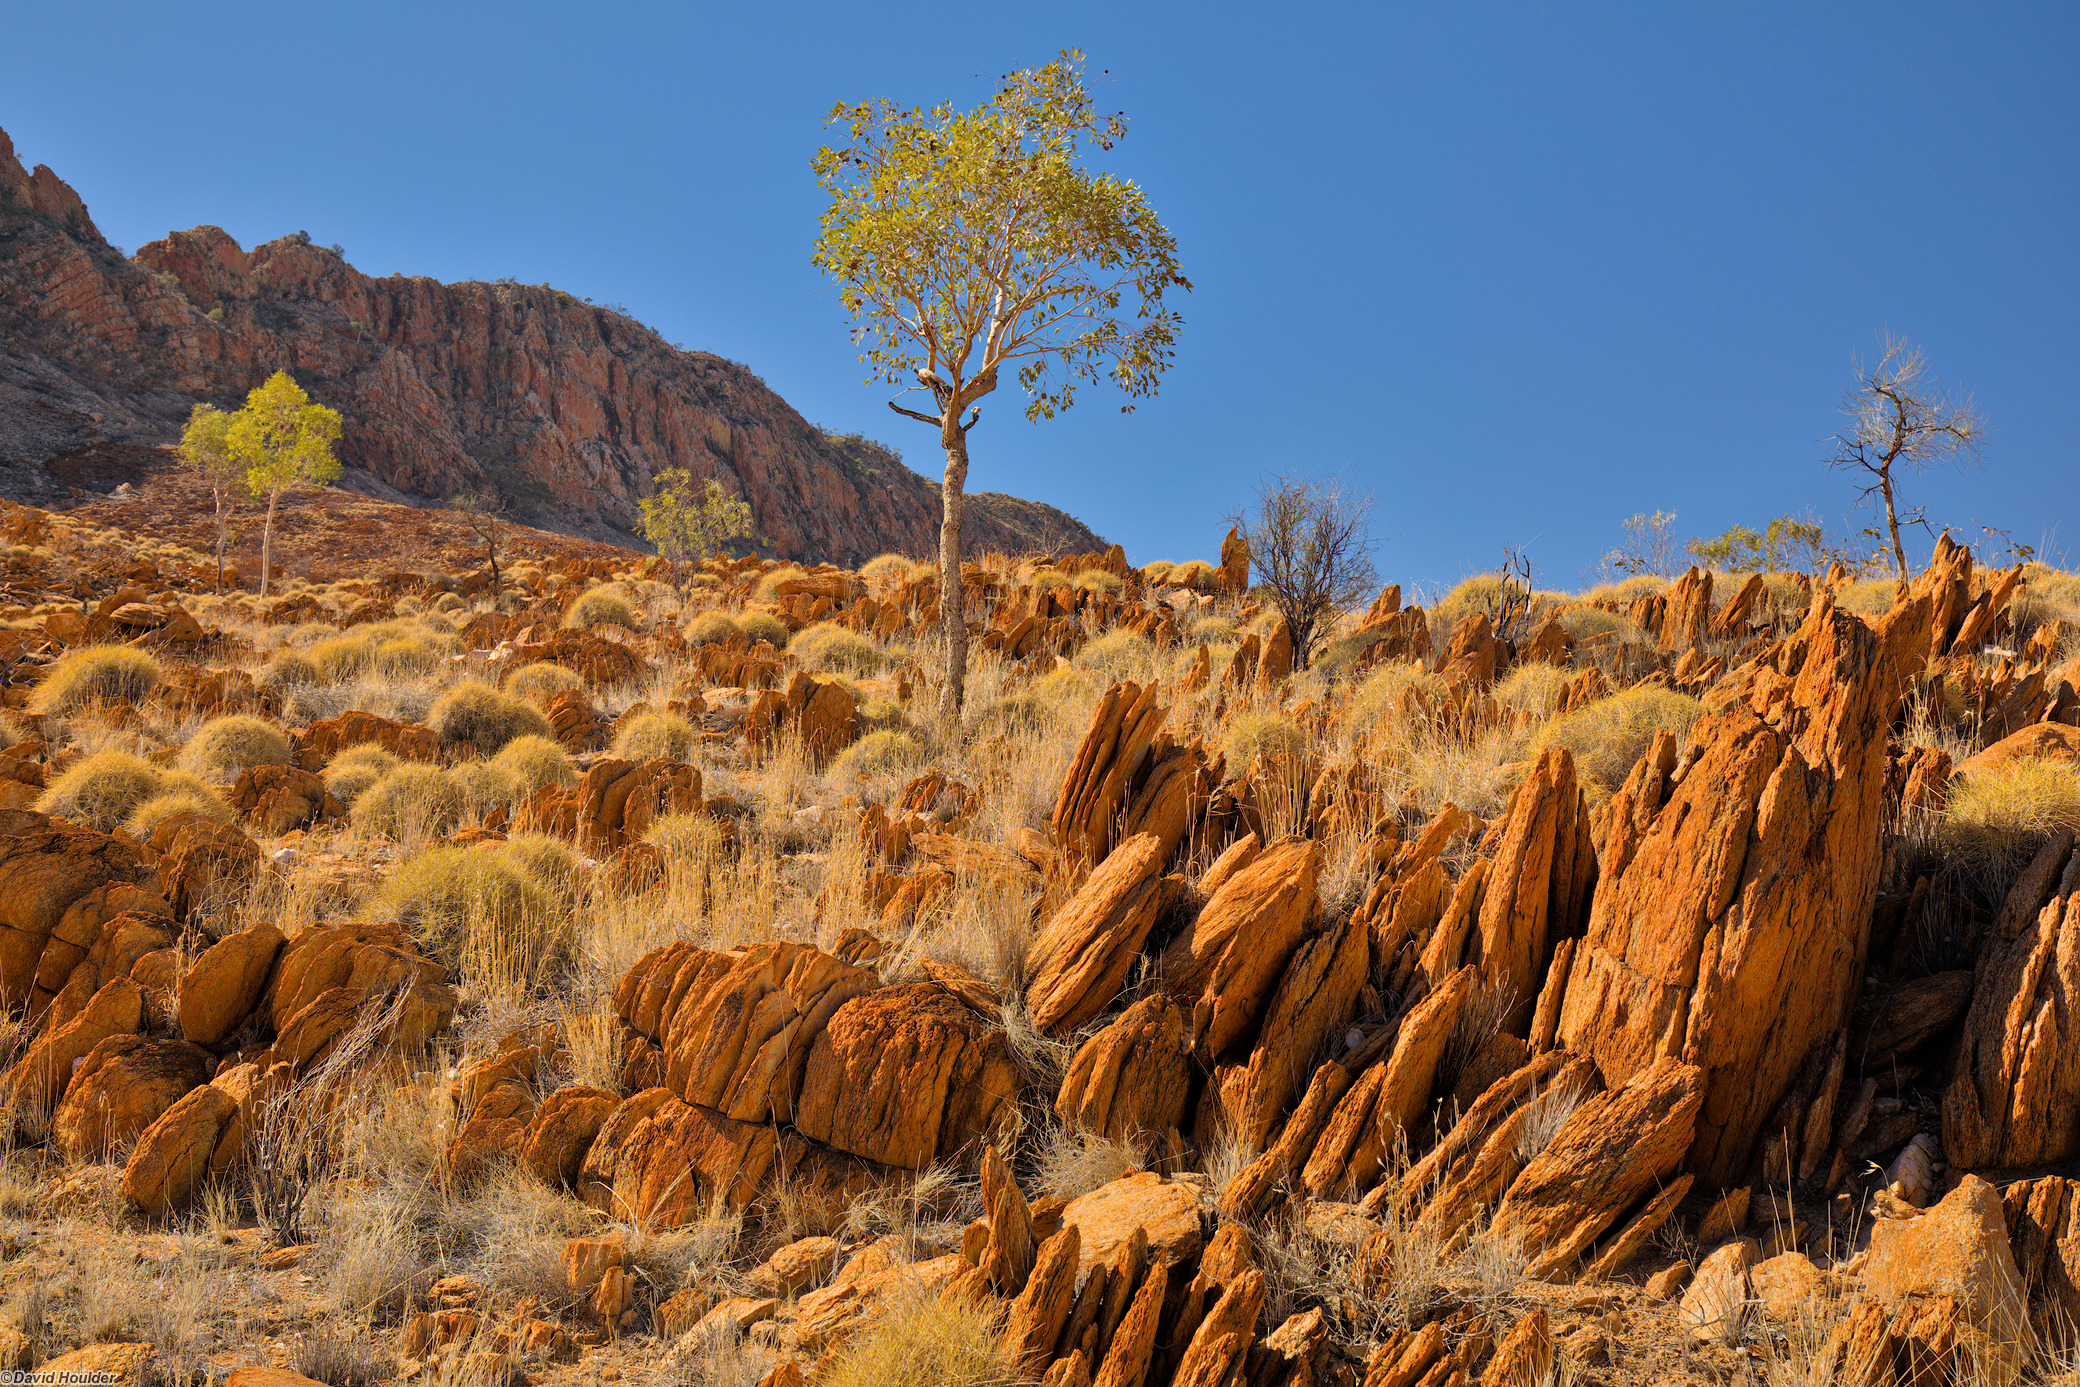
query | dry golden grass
[1611, 734]
[95, 675]
[942, 1340]
[1989, 809]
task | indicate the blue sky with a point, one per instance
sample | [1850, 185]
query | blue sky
[1518, 270]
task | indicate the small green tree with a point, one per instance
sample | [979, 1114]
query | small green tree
[689, 520]
[283, 441]
[966, 241]
[1787, 545]
[206, 450]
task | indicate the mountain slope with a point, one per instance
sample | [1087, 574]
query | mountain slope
[564, 407]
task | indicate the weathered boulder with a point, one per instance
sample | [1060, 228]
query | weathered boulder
[1114, 750]
[1539, 889]
[223, 986]
[1730, 923]
[1614, 1148]
[1167, 1213]
[1225, 964]
[562, 1131]
[1131, 1080]
[1958, 1249]
[272, 800]
[58, 884]
[1085, 953]
[172, 1157]
[39, 1078]
[2014, 1098]
[322, 741]
[1313, 1003]
[2042, 741]
[204, 865]
[121, 1087]
[903, 1075]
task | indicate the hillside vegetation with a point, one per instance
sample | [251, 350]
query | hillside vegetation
[601, 977]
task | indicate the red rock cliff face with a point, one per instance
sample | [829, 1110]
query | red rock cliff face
[565, 408]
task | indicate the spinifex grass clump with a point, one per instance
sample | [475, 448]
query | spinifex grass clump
[97, 674]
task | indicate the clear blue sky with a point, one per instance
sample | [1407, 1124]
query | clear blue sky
[1519, 270]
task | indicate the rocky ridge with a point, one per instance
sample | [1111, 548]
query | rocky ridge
[565, 408]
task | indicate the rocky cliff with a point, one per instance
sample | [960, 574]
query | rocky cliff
[564, 407]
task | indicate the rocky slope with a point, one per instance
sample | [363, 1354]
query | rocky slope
[564, 407]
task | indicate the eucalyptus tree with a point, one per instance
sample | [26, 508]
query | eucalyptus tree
[970, 243]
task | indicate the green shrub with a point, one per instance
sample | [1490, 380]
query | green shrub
[291, 669]
[877, 754]
[763, 626]
[656, 733]
[94, 675]
[540, 682]
[344, 657]
[476, 715]
[1157, 574]
[413, 800]
[223, 747]
[829, 646]
[102, 790]
[712, 628]
[528, 763]
[1260, 734]
[1119, 655]
[1046, 579]
[1196, 574]
[477, 911]
[600, 604]
[355, 768]
[1611, 734]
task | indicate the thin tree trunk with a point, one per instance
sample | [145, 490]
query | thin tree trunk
[267, 542]
[953, 607]
[1899, 551]
[221, 527]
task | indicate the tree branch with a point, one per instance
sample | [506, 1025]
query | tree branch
[921, 418]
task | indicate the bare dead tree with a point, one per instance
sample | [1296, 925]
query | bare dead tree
[484, 512]
[1898, 421]
[1309, 540]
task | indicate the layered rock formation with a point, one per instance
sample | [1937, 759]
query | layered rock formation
[565, 408]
